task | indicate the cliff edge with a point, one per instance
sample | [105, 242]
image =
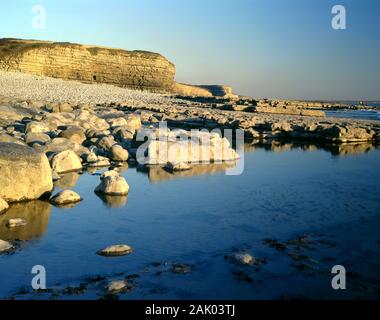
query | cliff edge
[133, 69]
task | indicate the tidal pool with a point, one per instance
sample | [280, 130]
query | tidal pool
[298, 209]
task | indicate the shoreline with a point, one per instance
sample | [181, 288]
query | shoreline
[34, 97]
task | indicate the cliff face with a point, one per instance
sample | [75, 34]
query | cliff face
[132, 69]
[203, 90]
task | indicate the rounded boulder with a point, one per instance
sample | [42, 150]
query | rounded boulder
[25, 173]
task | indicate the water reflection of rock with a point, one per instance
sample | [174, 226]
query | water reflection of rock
[67, 181]
[158, 173]
[36, 213]
[336, 150]
[123, 167]
[113, 201]
[352, 148]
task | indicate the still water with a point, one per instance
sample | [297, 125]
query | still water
[299, 210]
[373, 114]
[355, 114]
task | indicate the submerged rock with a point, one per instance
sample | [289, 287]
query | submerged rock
[25, 173]
[66, 161]
[4, 206]
[243, 258]
[35, 212]
[16, 222]
[113, 185]
[117, 286]
[66, 197]
[181, 268]
[173, 167]
[115, 250]
[5, 246]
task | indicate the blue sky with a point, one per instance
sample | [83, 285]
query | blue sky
[263, 48]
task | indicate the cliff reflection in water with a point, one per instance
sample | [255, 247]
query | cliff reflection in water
[345, 149]
[36, 213]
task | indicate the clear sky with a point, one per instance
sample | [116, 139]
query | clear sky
[263, 48]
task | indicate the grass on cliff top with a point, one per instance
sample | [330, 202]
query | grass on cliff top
[13, 47]
[9, 47]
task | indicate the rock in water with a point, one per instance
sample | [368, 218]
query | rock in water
[4, 206]
[36, 213]
[173, 167]
[194, 147]
[5, 246]
[101, 162]
[25, 173]
[91, 157]
[113, 186]
[117, 286]
[66, 161]
[65, 197]
[16, 222]
[115, 250]
[109, 173]
[243, 258]
[118, 153]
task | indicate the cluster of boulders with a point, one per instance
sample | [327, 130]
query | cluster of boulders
[263, 126]
[39, 142]
[263, 106]
[38, 147]
[179, 147]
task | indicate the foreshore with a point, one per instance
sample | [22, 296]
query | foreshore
[23, 95]
[55, 134]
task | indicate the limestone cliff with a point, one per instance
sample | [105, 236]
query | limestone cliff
[189, 90]
[132, 69]
[203, 90]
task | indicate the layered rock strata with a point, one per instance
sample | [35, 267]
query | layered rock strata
[133, 69]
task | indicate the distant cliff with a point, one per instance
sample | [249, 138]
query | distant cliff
[203, 90]
[133, 69]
